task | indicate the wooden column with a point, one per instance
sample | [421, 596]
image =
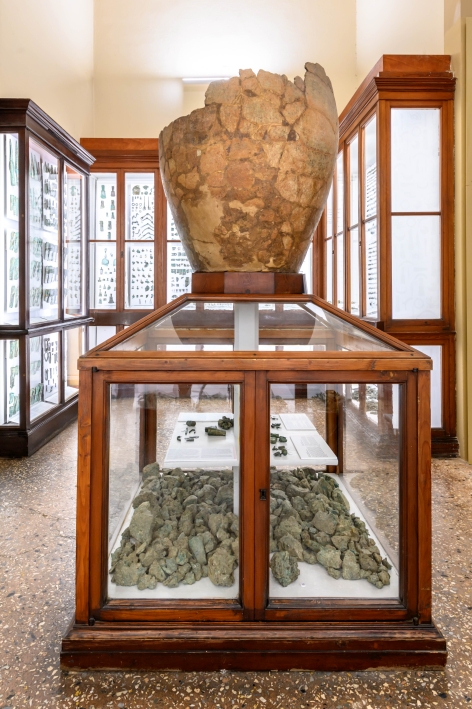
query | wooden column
[335, 428]
[147, 431]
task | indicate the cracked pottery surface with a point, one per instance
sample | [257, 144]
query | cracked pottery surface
[248, 175]
[37, 522]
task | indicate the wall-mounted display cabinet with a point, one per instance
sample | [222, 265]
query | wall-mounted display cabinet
[43, 283]
[250, 519]
[386, 240]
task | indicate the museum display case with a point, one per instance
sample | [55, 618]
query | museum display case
[386, 242]
[44, 176]
[253, 489]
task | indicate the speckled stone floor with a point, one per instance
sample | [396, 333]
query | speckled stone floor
[37, 525]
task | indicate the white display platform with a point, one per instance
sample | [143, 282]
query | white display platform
[304, 444]
[315, 582]
[205, 451]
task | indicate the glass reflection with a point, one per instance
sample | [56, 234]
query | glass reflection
[9, 230]
[174, 491]
[251, 326]
[334, 491]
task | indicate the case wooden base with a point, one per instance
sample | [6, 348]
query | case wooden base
[444, 446]
[15, 443]
[252, 646]
[228, 282]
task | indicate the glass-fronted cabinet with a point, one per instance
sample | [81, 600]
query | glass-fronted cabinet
[128, 234]
[269, 506]
[387, 236]
[43, 188]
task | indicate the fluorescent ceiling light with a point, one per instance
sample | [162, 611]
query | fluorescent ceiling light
[203, 79]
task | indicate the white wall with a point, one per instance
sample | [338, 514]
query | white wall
[140, 51]
[397, 27]
[46, 54]
[113, 67]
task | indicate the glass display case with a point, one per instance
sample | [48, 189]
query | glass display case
[270, 501]
[43, 175]
[386, 241]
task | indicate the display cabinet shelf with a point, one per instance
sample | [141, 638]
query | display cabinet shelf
[44, 176]
[270, 505]
[386, 239]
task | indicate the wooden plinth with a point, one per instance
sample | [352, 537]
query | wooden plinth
[227, 283]
[16, 443]
[252, 646]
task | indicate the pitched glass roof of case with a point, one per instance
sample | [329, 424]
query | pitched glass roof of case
[253, 325]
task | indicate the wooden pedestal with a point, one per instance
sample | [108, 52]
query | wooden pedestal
[252, 646]
[248, 283]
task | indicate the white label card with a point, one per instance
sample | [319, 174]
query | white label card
[297, 422]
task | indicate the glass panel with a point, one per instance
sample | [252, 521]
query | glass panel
[105, 199]
[100, 333]
[303, 326]
[355, 280]
[329, 213]
[9, 230]
[340, 271]
[416, 267]
[371, 269]
[43, 233]
[174, 523]
[329, 270]
[179, 272]
[139, 276]
[340, 193]
[72, 268]
[334, 491]
[44, 373]
[370, 167]
[74, 343]
[139, 206]
[103, 275]
[172, 233]
[307, 269]
[354, 182]
[435, 352]
[10, 382]
[415, 159]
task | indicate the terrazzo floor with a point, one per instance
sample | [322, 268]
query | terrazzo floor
[37, 546]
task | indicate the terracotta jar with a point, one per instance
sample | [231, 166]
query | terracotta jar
[247, 176]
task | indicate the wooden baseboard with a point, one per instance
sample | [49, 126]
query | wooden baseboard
[252, 646]
[15, 443]
[444, 446]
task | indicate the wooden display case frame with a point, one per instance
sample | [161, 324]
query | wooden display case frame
[30, 122]
[403, 81]
[254, 632]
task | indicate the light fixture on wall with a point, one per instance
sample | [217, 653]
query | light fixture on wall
[203, 79]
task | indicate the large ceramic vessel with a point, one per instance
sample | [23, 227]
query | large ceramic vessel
[247, 176]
